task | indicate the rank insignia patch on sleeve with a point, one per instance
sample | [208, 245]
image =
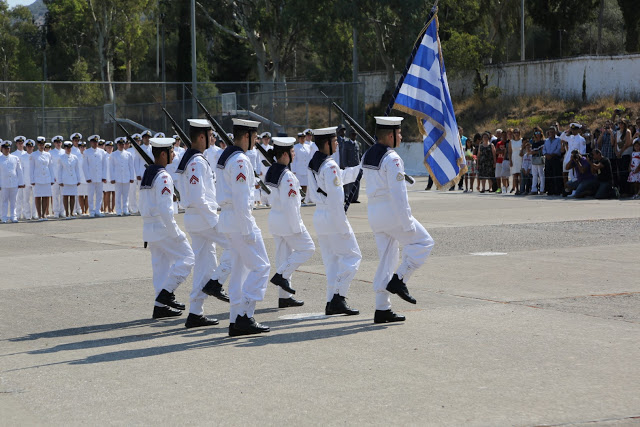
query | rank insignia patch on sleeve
[166, 190]
[336, 182]
[241, 177]
[399, 177]
[292, 193]
[194, 180]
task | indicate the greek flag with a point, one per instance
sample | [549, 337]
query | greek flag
[423, 91]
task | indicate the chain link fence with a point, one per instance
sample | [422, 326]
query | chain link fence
[61, 108]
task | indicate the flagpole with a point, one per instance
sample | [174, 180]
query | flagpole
[416, 45]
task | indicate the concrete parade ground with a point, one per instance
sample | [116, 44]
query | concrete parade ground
[528, 314]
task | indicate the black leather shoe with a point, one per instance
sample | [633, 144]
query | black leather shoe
[168, 298]
[385, 316]
[162, 312]
[289, 302]
[278, 280]
[213, 288]
[397, 286]
[194, 320]
[245, 325]
[338, 305]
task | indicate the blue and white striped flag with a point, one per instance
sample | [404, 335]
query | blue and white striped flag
[423, 91]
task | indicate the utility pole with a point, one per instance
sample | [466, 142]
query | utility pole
[522, 44]
[600, 21]
[194, 71]
[355, 72]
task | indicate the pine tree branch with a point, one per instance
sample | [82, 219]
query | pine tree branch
[220, 26]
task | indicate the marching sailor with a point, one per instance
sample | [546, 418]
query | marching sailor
[391, 220]
[11, 179]
[294, 245]
[198, 196]
[250, 263]
[340, 252]
[171, 255]
[95, 172]
[68, 178]
[122, 175]
[134, 189]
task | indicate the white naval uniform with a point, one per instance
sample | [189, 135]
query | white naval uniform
[574, 142]
[198, 196]
[340, 252]
[23, 204]
[249, 260]
[391, 220]
[11, 177]
[95, 170]
[108, 186]
[261, 169]
[300, 164]
[56, 195]
[42, 173]
[171, 255]
[294, 245]
[121, 171]
[253, 158]
[212, 154]
[68, 174]
[139, 166]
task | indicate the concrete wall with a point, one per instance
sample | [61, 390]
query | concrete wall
[412, 154]
[617, 76]
[374, 84]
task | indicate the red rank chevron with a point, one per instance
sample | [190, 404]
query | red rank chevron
[241, 177]
[292, 193]
[194, 180]
[166, 190]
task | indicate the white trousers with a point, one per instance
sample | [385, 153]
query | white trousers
[206, 267]
[122, 198]
[341, 257]
[171, 260]
[9, 197]
[95, 197]
[291, 252]
[56, 196]
[26, 203]
[133, 196]
[538, 175]
[416, 247]
[249, 273]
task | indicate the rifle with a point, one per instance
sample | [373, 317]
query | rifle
[178, 129]
[223, 135]
[368, 139]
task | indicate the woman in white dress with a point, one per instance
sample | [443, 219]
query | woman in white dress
[68, 178]
[42, 178]
[516, 159]
[109, 195]
[83, 188]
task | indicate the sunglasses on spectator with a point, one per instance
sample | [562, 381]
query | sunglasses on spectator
[536, 133]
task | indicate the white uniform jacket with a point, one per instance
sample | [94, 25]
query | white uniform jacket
[95, 164]
[235, 185]
[325, 181]
[212, 154]
[41, 168]
[574, 142]
[300, 163]
[55, 158]
[10, 172]
[121, 167]
[197, 192]
[68, 170]
[24, 158]
[156, 205]
[139, 163]
[285, 200]
[388, 204]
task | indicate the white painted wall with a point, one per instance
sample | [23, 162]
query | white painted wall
[412, 154]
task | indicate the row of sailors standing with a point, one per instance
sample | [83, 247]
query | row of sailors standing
[244, 260]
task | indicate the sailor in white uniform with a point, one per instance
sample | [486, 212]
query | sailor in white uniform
[572, 140]
[171, 255]
[212, 154]
[134, 189]
[122, 176]
[300, 165]
[177, 149]
[294, 245]
[23, 207]
[261, 168]
[42, 177]
[391, 220]
[68, 178]
[11, 179]
[95, 172]
[340, 252]
[198, 196]
[28, 201]
[56, 151]
[250, 263]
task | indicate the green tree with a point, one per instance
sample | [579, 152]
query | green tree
[631, 15]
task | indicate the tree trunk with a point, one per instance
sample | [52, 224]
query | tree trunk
[388, 63]
[600, 21]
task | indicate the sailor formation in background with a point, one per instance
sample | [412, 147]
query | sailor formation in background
[209, 178]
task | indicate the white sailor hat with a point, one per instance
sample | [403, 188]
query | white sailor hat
[388, 122]
[230, 135]
[47, 144]
[249, 124]
[161, 142]
[5, 143]
[265, 135]
[326, 132]
[199, 123]
[57, 138]
[30, 142]
[498, 130]
[41, 139]
[76, 135]
[215, 134]
[110, 143]
[136, 136]
[284, 141]
[101, 141]
[308, 131]
[19, 138]
[300, 134]
[120, 140]
[176, 136]
[576, 126]
[67, 144]
[145, 133]
[82, 144]
[159, 135]
[94, 137]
